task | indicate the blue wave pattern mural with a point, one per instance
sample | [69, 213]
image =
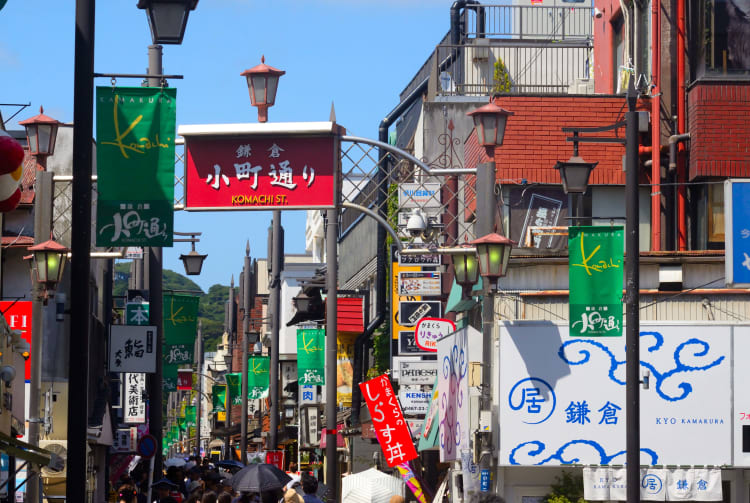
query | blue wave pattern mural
[535, 451]
[454, 369]
[689, 357]
[579, 352]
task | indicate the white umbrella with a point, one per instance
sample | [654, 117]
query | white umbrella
[370, 486]
[174, 462]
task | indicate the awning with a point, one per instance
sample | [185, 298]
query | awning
[457, 304]
[14, 447]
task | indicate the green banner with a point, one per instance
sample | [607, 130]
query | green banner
[218, 397]
[169, 377]
[180, 314]
[135, 131]
[234, 384]
[595, 278]
[258, 377]
[310, 356]
[174, 434]
[181, 423]
[190, 415]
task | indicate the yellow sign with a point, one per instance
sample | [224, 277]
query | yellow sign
[344, 368]
[396, 298]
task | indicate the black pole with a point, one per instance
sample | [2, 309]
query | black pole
[232, 324]
[332, 478]
[632, 300]
[200, 389]
[245, 350]
[83, 124]
[276, 268]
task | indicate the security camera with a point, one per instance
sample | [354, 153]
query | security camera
[417, 223]
[597, 13]
[7, 374]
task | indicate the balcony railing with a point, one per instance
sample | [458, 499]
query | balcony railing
[529, 22]
[559, 68]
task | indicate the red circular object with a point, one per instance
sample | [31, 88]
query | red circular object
[11, 154]
[10, 204]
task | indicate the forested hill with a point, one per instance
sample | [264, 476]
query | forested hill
[211, 307]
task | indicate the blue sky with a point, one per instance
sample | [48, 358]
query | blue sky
[358, 54]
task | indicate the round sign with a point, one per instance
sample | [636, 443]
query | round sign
[429, 330]
[146, 446]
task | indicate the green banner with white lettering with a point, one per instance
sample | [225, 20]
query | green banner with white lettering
[218, 397]
[310, 356]
[135, 132]
[190, 415]
[180, 313]
[595, 255]
[258, 377]
[234, 384]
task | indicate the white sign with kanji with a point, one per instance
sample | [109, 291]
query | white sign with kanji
[134, 406]
[132, 348]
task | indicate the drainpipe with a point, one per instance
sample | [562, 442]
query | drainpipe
[656, 126]
[456, 19]
[673, 141]
[681, 171]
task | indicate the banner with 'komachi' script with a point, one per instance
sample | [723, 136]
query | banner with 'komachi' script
[135, 131]
[595, 255]
[311, 356]
[180, 313]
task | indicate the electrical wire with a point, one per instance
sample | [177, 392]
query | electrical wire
[681, 293]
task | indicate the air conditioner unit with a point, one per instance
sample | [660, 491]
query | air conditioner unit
[53, 480]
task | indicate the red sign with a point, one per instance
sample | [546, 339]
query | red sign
[18, 316]
[184, 379]
[391, 428]
[275, 458]
[259, 172]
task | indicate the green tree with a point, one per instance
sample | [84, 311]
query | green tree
[501, 78]
[568, 488]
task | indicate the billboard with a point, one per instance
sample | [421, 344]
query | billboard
[737, 233]
[563, 398]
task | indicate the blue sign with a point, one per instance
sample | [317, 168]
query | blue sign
[737, 233]
[484, 480]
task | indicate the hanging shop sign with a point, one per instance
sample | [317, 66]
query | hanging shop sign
[134, 406]
[419, 283]
[184, 379]
[407, 344]
[135, 129]
[417, 372]
[415, 403]
[396, 298]
[393, 433]
[430, 330]
[595, 277]
[656, 484]
[136, 313]
[420, 260]
[737, 233]
[132, 348]
[410, 312]
[419, 195]
[218, 397]
[311, 356]
[259, 167]
[180, 328]
[258, 379]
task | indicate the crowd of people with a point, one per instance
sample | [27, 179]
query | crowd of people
[201, 482]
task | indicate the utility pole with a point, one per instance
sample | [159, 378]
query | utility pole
[154, 280]
[245, 350]
[331, 457]
[200, 387]
[230, 343]
[42, 228]
[277, 251]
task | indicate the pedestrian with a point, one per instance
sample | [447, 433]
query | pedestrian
[166, 490]
[127, 494]
[292, 496]
[225, 497]
[310, 488]
[209, 497]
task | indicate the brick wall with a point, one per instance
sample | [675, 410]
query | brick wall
[534, 140]
[719, 124]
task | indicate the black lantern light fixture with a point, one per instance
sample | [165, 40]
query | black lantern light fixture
[48, 263]
[574, 174]
[193, 261]
[262, 82]
[494, 253]
[489, 124]
[167, 19]
[41, 134]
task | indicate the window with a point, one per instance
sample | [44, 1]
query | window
[618, 51]
[715, 214]
[724, 37]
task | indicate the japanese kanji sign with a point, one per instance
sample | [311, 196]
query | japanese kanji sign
[134, 406]
[132, 348]
[184, 379]
[136, 313]
[595, 280]
[737, 233]
[391, 428]
[310, 356]
[135, 131]
[18, 316]
[252, 172]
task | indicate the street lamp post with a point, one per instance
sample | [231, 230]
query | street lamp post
[574, 175]
[246, 302]
[262, 82]
[193, 261]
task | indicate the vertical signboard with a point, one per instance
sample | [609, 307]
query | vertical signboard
[18, 316]
[393, 433]
[134, 406]
[737, 233]
[310, 356]
[396, 297]
[595, 277]
[135, 131]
